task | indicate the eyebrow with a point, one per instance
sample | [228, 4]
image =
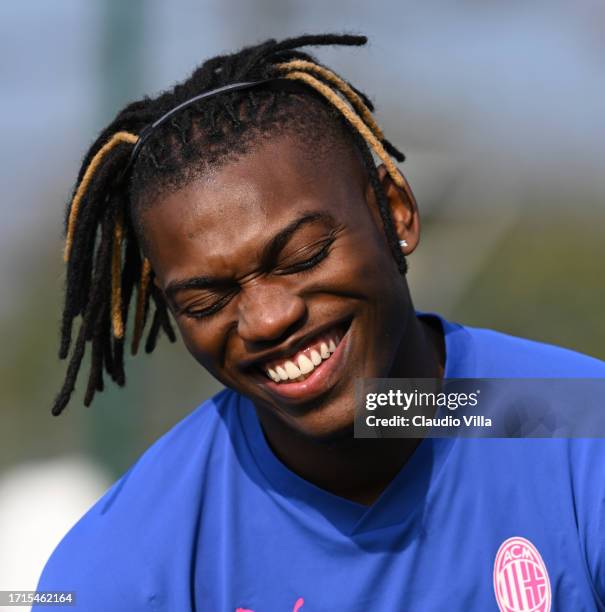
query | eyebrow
[269, 253]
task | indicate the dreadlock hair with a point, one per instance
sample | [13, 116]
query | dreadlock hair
[104, 245]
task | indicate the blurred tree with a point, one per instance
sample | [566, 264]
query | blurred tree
[545, 281]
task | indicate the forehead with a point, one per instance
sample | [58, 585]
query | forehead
[230, 212]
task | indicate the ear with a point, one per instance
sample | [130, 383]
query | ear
[403, 207]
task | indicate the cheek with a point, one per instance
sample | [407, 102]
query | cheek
[203, 341]
[366, 267]
[364, 262]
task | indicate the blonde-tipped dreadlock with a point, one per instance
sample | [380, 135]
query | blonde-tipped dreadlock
[116, 281]
[351, 95]
[91, 168]
[354, 119]
[139, 322]
[105, 263]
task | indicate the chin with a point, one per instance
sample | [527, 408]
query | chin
[327, 424]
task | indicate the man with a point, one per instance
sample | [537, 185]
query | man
[253, 211]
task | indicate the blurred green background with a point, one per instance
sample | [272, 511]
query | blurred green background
[497, 105]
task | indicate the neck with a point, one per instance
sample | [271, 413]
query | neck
[360, 469]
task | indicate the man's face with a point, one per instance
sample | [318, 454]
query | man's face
[276, 266]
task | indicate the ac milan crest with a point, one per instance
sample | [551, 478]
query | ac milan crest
[521, 582]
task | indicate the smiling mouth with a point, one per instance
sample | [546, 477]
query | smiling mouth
[300, 365]
[306, 361]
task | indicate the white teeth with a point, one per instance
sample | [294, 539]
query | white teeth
[305, 364]
[292, 371]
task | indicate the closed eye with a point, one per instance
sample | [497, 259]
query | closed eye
[302, 263]
[210, 307]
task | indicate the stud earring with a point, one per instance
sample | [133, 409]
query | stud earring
[403, 243]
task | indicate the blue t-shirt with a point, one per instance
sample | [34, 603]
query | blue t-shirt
[209, 519]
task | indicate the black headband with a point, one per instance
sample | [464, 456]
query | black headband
[147, 131]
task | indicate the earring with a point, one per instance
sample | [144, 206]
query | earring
[403, 243]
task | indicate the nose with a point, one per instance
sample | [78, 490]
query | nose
[269, 312]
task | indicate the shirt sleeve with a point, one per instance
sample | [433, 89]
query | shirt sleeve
[95, 568]
[588, 477]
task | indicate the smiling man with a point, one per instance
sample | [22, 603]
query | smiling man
[247, 204]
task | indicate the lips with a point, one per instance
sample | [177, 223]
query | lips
[300, 365]
[307, 376]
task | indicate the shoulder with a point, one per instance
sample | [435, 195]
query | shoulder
[502, 355]
[174, 459]
[151, 509]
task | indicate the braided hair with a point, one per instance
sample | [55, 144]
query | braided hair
[104, 245]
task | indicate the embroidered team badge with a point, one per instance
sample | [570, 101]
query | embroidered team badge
[521, 582]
